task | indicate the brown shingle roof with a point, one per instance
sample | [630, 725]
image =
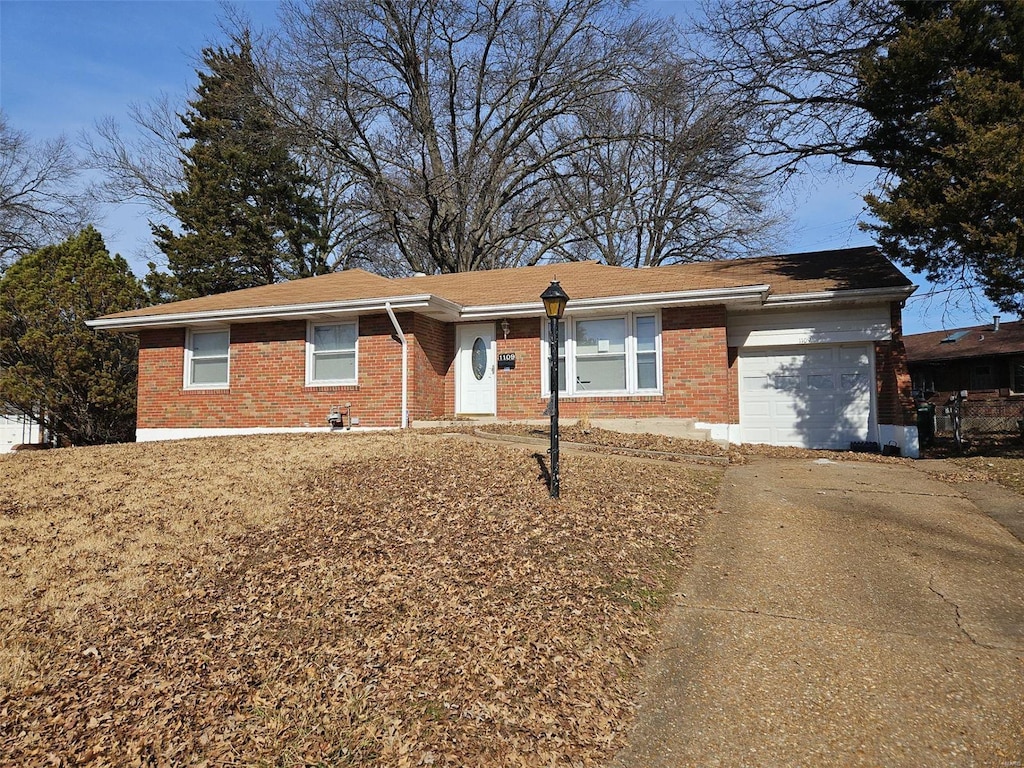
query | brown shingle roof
[977, 341]
[850, 269]
[339, 286]
[823, 271]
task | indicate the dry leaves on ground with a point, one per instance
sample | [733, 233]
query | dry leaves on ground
[682, 448]
[641, 441]
[415, 601]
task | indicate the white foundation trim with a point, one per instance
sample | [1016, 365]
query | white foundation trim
[905, 436]
[721, 433]
[149, 435]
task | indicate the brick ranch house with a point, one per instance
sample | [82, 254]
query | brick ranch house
[800, 350]
[984, 361]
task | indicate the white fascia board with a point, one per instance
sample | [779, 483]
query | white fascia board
[250, 314]
[831, 297]
[748, 294]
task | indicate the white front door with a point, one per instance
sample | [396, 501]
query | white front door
[474, 372]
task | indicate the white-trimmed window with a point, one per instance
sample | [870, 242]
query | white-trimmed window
[607, 355]
[331, 353]
[207, 354]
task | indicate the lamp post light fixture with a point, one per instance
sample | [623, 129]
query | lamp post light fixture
[554, 299]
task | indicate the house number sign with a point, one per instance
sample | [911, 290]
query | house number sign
[506, 360]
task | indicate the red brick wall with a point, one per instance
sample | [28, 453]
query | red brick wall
[519, 387]
[267, 380]
[892, 379]
[268, 376]
[432, 353]
[698, 382]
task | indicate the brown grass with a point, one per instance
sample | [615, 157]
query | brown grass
[330, 600]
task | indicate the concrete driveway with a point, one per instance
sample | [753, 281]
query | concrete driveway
[841, 613]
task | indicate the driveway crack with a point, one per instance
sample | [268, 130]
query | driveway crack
[785, 617]
[956, 610]
[749, 611]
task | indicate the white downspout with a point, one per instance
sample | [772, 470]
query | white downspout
[405, 364]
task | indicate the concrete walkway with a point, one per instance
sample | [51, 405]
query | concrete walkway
[841, 614]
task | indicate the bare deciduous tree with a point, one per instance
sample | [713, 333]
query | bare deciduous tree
[928, 93]
[675, 181]
[144, 165]
[795, 62]
[454, 135]
[40, 200]
[454, 118]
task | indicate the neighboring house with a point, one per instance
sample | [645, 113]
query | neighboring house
[17, 429]
[986, 362]
[985, 358]
[800, 350]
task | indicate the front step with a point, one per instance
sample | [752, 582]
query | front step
[681, 428]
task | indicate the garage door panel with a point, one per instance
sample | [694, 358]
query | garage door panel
[851, 356]
[786, 381]
[816, 397]
[763, 409]
[760, 435]
[855, 381]
[756, 383]
[824, 357]
[783, 410]
[821, 381]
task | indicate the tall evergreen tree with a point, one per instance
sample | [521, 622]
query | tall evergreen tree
[931, 93]
[947, 99]
[247, 213]
[79, 384]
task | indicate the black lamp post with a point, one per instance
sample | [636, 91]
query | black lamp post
[554, 299]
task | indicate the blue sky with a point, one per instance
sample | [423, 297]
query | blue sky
[64, 65]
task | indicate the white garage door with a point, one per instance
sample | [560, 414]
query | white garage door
[811, 396]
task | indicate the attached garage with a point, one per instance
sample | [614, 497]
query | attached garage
[814, 396]
[809, 378]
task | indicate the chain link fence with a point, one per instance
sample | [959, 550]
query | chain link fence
[980, 418]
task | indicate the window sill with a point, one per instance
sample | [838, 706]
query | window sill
[344, 385]
[206, 387]
[609, 396]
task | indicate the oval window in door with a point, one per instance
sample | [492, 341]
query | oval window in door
[479, 358]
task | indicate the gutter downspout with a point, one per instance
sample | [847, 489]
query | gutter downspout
[405, 364]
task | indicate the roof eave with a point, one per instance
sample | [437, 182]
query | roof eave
[748, 294]
[969, 354]
[444, 309]
[436, 304]
[859, 295]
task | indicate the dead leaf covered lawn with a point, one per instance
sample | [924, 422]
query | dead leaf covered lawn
[399, 600]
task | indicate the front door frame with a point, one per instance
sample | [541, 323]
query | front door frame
[466, 334]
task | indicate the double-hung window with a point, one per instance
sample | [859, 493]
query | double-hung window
[607, 355]
[206, 359]
[331, 353]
